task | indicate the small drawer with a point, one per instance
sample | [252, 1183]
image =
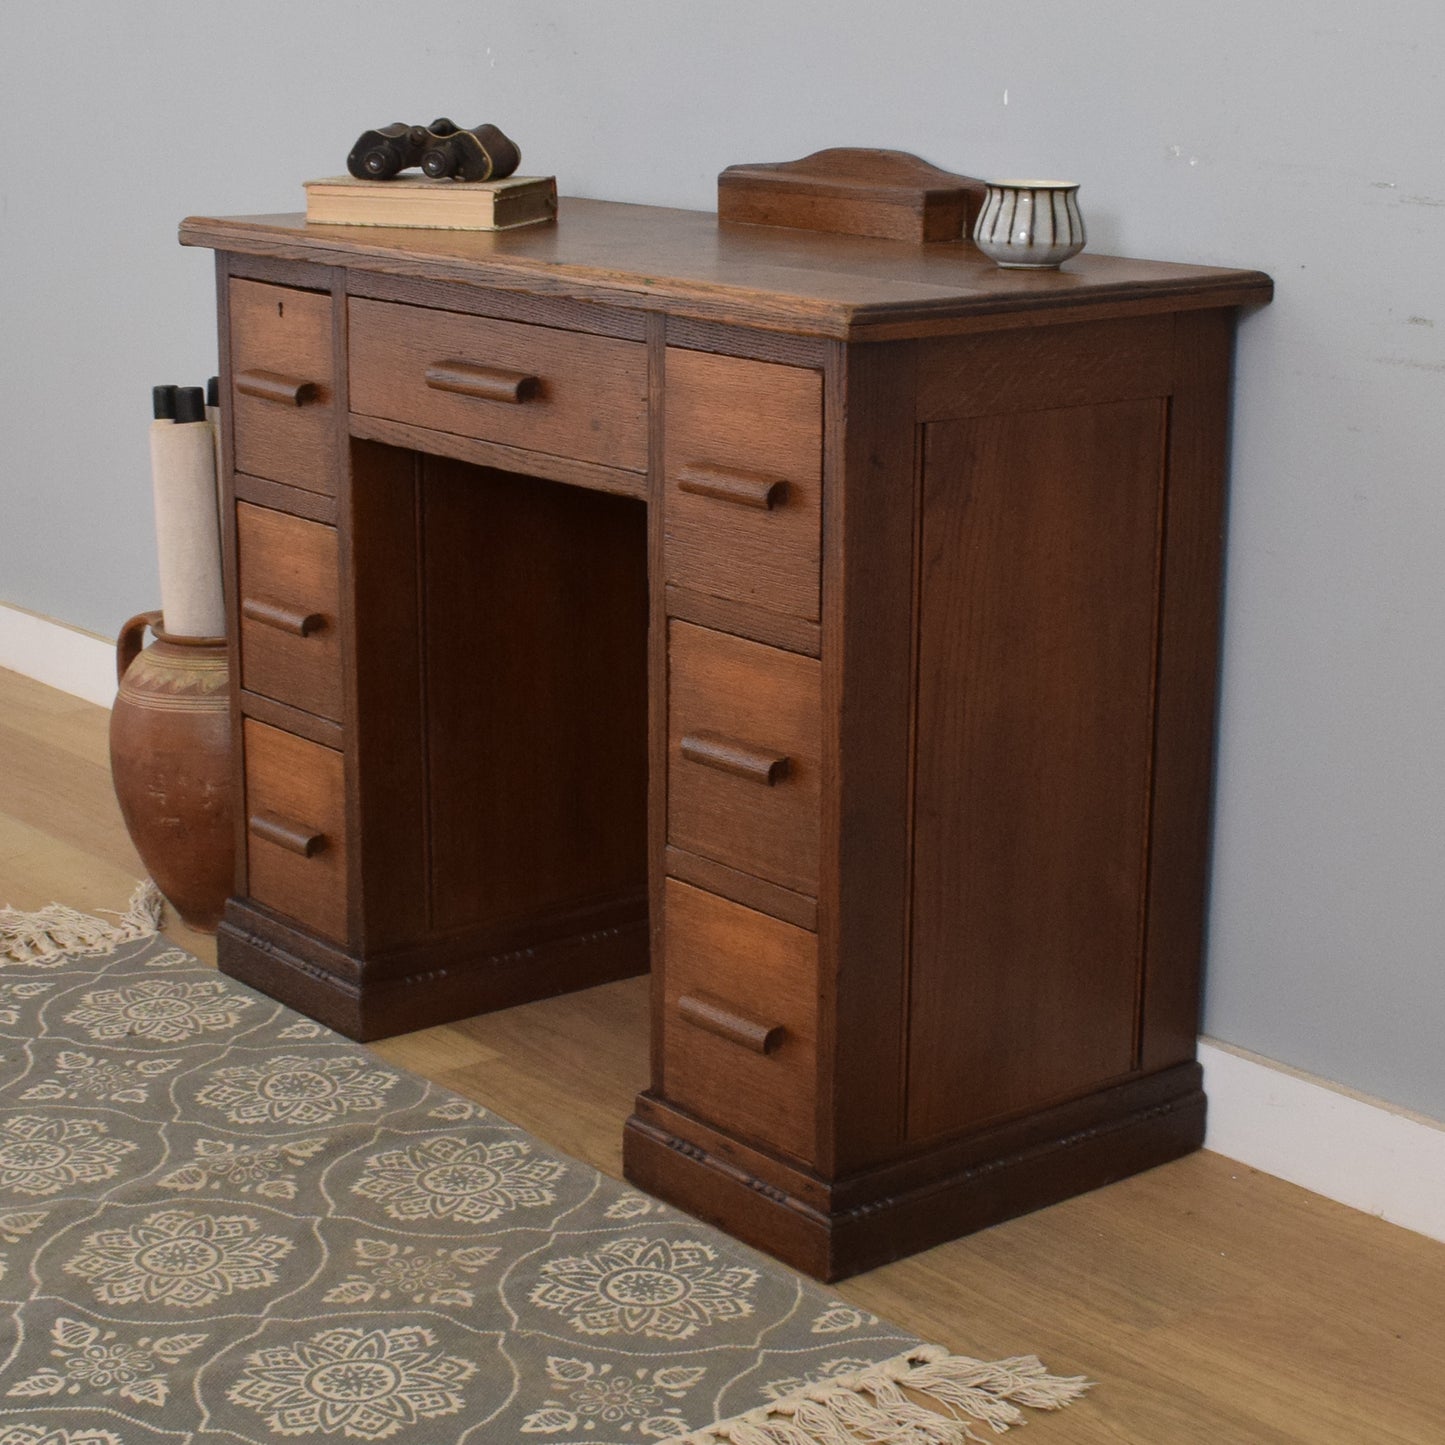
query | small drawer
[282, 397]
[740, 1034]
[290, 636]
[744, 755]
[744, 467]
[560, 392]
[296, 828]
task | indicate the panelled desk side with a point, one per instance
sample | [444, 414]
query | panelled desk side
[830, 622]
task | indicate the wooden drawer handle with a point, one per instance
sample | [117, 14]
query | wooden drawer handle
[708, 1013]
[272, 386]
[282, 617]
[284, 833]
[490, 383]
[745, 488]
[713, 751]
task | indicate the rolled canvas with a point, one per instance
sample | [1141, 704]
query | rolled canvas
[183, 469]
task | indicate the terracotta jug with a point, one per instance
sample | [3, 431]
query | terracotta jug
[170, 758]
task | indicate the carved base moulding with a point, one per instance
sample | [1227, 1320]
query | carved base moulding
[832, 1230]
[374, 998]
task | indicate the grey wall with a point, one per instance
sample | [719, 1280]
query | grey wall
[1304, 138]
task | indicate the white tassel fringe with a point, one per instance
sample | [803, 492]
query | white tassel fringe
[881, 1405]
[56, 931]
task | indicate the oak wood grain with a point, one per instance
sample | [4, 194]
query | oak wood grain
[290, 609]
[292, 719]
[279, 498]
[536, 694]
[734, 699]
[645, 257]
[231, 482]
[588, 401]
[854, 192]
[522, 306]
[871, 515]
[281, 331]
[482, 453]
[1039, 572]
[386, 730]
[291, 779]
[756, 968]
[744, 447]
[1083, 364]
[1191, 577]
[725, 614]
[746, 888]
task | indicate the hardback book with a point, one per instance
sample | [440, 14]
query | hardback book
[441, 205]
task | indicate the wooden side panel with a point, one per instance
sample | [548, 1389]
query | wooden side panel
[1083, 364]
[868, 598]
[230, 569]
[1039, 576]
[535, 605]
[381, 569]
[657, 326]
[1188, 667]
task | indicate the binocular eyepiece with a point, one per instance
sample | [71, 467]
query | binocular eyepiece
[441, 149]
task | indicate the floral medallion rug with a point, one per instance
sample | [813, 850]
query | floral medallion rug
[222, 1222]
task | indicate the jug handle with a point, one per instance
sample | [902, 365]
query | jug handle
[128, 644]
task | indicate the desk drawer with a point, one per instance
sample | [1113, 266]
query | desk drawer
[296, 828]
[740, 1037]
[744, 464]
[560, 392]
[744, 755]
[290, 635]
[282, 397]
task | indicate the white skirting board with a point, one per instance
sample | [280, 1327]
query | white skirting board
[1358, 1151]
[62, 657]
[1348, 1147]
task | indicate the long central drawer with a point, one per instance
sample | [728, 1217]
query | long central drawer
[560, 392]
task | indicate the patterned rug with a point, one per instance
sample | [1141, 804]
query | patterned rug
[222, 1222]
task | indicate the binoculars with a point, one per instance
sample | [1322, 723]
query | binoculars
[440, 149]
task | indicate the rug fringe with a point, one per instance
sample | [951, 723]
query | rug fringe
[57, 930]
[882, 1405]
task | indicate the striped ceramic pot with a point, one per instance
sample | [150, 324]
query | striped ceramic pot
[1030, 225]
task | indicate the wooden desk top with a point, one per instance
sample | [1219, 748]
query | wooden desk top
[688, 264]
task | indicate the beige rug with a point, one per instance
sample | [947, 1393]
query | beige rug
[222, 1222]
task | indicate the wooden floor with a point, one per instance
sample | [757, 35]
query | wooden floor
[1211, 1303]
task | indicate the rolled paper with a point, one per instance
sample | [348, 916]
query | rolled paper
[183, 473]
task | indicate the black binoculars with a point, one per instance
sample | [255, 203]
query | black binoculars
[441, 149]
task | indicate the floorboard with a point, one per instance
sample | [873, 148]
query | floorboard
[1211, 1302]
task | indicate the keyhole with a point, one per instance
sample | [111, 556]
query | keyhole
[280, 308]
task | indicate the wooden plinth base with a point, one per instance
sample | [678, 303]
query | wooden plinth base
[373, 998]
[833, 1230]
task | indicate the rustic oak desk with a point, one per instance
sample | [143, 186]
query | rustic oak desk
[830, 622]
